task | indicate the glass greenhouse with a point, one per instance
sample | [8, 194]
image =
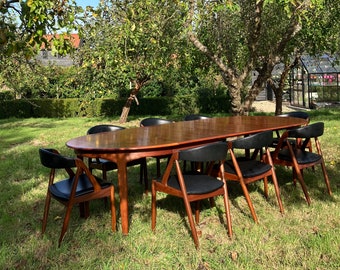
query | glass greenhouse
[315, 82]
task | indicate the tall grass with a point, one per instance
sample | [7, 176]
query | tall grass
[305, 237]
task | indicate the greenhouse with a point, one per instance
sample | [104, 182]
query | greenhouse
[315, 82]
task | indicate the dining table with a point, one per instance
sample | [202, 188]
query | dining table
[133, 143]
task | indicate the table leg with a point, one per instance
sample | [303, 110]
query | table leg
[123, 195]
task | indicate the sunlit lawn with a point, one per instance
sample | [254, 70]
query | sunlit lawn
[305, 237]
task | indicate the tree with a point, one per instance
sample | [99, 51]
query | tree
[242, 36]
[319, 34]
[133, 41]
[24, 25]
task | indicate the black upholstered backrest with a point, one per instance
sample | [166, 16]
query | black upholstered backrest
[297, 114]
[255, 141]
[103, 128]
[190, 117]
[154, 121]
[206, 153]
[50, 158]
[310, 131]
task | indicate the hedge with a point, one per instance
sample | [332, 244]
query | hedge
[63, 108]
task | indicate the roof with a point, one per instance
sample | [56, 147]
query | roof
[73, 37]
[320, 64]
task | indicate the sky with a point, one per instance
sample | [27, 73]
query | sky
[85, 3]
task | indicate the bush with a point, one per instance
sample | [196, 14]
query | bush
[63, 108]
[7, 95]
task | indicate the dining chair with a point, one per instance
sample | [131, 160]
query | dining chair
[80, 187]
[193, 186]
[246, 167]
[152, 121]
[191, 117]
[298, 155]
[297, 114]
[106, 165]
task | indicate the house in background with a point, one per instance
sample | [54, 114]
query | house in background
[45, 56]
[315, 82]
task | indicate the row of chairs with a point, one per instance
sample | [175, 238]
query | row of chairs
[195, 185]
[292, 150]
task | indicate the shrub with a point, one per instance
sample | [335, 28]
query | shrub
[63, 108]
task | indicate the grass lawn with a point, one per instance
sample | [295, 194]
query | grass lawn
[305, 237]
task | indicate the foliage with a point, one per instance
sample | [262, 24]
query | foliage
[30, 79]
[135, 42]
[80, 107]
[24, 25]
[242, 36]
[7, 95]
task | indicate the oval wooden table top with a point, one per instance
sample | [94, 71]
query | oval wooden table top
[180, 134]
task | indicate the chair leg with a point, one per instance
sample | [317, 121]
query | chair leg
[158, 164]
[277, 190]
[153, 207]
[46, 211]
[303, 185]
[144, 174]
[65, 224]
[197, 212]
[265, 187]
[113, 209]
[191, 221]
[104, 175]
[325, 176]
[105, 180]
[84, 208]
[227, 210]
[250, 204]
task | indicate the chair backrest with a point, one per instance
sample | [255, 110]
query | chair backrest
[104, 128]
[311, 131]
[255, 141]
[50, 158]
[154, 121]
[190, 117]
[206, 153]
[297, 114]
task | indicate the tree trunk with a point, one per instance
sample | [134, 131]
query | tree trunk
[278, 90]
[126, 110]
[133, 96]
[278, 102]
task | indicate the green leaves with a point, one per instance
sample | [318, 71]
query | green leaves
[33, 19]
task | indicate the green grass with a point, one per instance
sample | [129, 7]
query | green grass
[305, 237]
